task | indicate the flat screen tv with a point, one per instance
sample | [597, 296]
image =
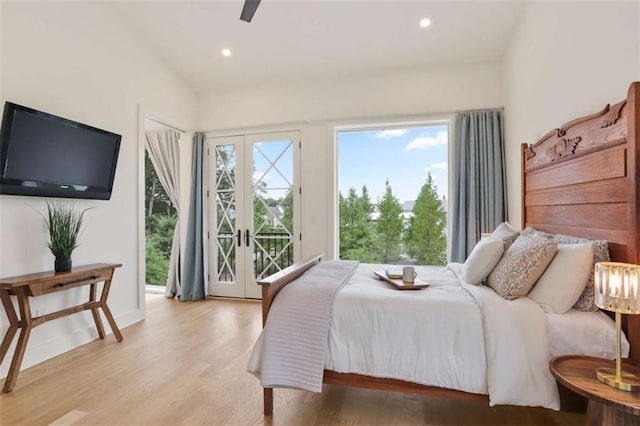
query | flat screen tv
[49, 156]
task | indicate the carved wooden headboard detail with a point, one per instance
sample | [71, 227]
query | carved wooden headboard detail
[582, 179]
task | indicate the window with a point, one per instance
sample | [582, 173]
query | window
[393, 192]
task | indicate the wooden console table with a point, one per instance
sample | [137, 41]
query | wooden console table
[33, 285]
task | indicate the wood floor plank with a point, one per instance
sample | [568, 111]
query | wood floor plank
[70, 418]
[185, 364]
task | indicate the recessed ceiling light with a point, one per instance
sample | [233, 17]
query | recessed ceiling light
[425, 22]
[226, 52]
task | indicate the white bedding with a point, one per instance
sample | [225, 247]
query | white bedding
[458, 336]
[382, 332]
[577, 332]
[517, 350]
[584, 333]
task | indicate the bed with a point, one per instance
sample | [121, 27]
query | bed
[579, 180]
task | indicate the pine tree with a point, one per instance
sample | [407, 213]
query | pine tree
[287, 212]
[426, 240]
[262, 217]
[389, 225]
[357, 239]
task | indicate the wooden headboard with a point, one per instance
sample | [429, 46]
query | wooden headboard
[583, 180]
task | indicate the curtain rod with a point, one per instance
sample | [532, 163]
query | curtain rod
[165, 124]
[501, 109]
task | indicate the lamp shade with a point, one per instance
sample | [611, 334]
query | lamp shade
[617, 287]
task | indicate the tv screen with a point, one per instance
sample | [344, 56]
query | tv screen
[49, 156]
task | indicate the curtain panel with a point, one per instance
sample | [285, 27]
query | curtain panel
[479, 186]
[164, 152]
[195, 272]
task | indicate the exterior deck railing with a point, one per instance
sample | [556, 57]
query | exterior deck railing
[272, 251]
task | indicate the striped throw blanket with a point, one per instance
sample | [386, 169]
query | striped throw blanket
[292, 349]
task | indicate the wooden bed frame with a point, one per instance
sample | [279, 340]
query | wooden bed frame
[582, 180]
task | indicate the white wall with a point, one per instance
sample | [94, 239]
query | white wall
[566, 60]
[316, 107]
[76, 60]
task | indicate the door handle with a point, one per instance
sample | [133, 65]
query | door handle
[239, 238]
[246, 237]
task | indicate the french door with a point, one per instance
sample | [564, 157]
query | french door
[254, 199]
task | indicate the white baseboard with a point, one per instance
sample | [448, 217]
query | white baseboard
[60, 341]
[154, 289]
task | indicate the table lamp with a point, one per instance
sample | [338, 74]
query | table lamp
[617, 290]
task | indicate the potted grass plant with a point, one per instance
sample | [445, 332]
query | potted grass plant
[63, 222]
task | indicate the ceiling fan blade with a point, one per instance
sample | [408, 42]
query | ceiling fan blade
[249, 9]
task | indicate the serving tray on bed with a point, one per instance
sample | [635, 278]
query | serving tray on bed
[418, 284]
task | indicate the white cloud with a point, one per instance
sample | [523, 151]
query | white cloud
[391, 133]
[260, 176]
[426, 142]
[441, 166]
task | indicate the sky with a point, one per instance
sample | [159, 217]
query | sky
[273, 165]
[404, 156]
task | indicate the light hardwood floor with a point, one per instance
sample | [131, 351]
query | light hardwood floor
[186, 365]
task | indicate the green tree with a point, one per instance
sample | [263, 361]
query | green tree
[224, 191]
[157, 265]
[159, 235]
[357, 233]
[287, 212]
[426, 240]
[389, 225]
[261, 216]
[160, 222]
[156, 198]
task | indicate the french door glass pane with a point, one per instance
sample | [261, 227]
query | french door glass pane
[226, 212]
[272, 206]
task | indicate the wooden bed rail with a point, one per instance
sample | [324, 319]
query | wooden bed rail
[271, 285]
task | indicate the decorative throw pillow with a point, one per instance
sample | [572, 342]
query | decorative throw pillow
[565, 278]
[587, 300]
[521, 266]
[506, 233]
[484, 257]
[533, 232]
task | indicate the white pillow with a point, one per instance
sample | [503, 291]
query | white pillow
[563, 282]
[506, 233]
[483, 258]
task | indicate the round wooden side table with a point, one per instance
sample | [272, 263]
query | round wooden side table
[607, 405]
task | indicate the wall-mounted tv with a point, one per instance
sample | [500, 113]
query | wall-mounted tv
[49, 156]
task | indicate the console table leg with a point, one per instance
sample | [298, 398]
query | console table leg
[25, 314]
[112, 322]
[107, 311]
[94, 311]
[13, 323]
[6, 341]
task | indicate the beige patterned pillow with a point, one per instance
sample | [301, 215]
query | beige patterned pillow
[506, 233]
[521, 266]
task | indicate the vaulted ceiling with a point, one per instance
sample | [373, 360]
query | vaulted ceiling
[304, 39]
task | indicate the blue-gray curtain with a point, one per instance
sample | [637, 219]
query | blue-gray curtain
[479, 191]
[195, 270]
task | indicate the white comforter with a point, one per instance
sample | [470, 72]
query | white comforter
[450, 335]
